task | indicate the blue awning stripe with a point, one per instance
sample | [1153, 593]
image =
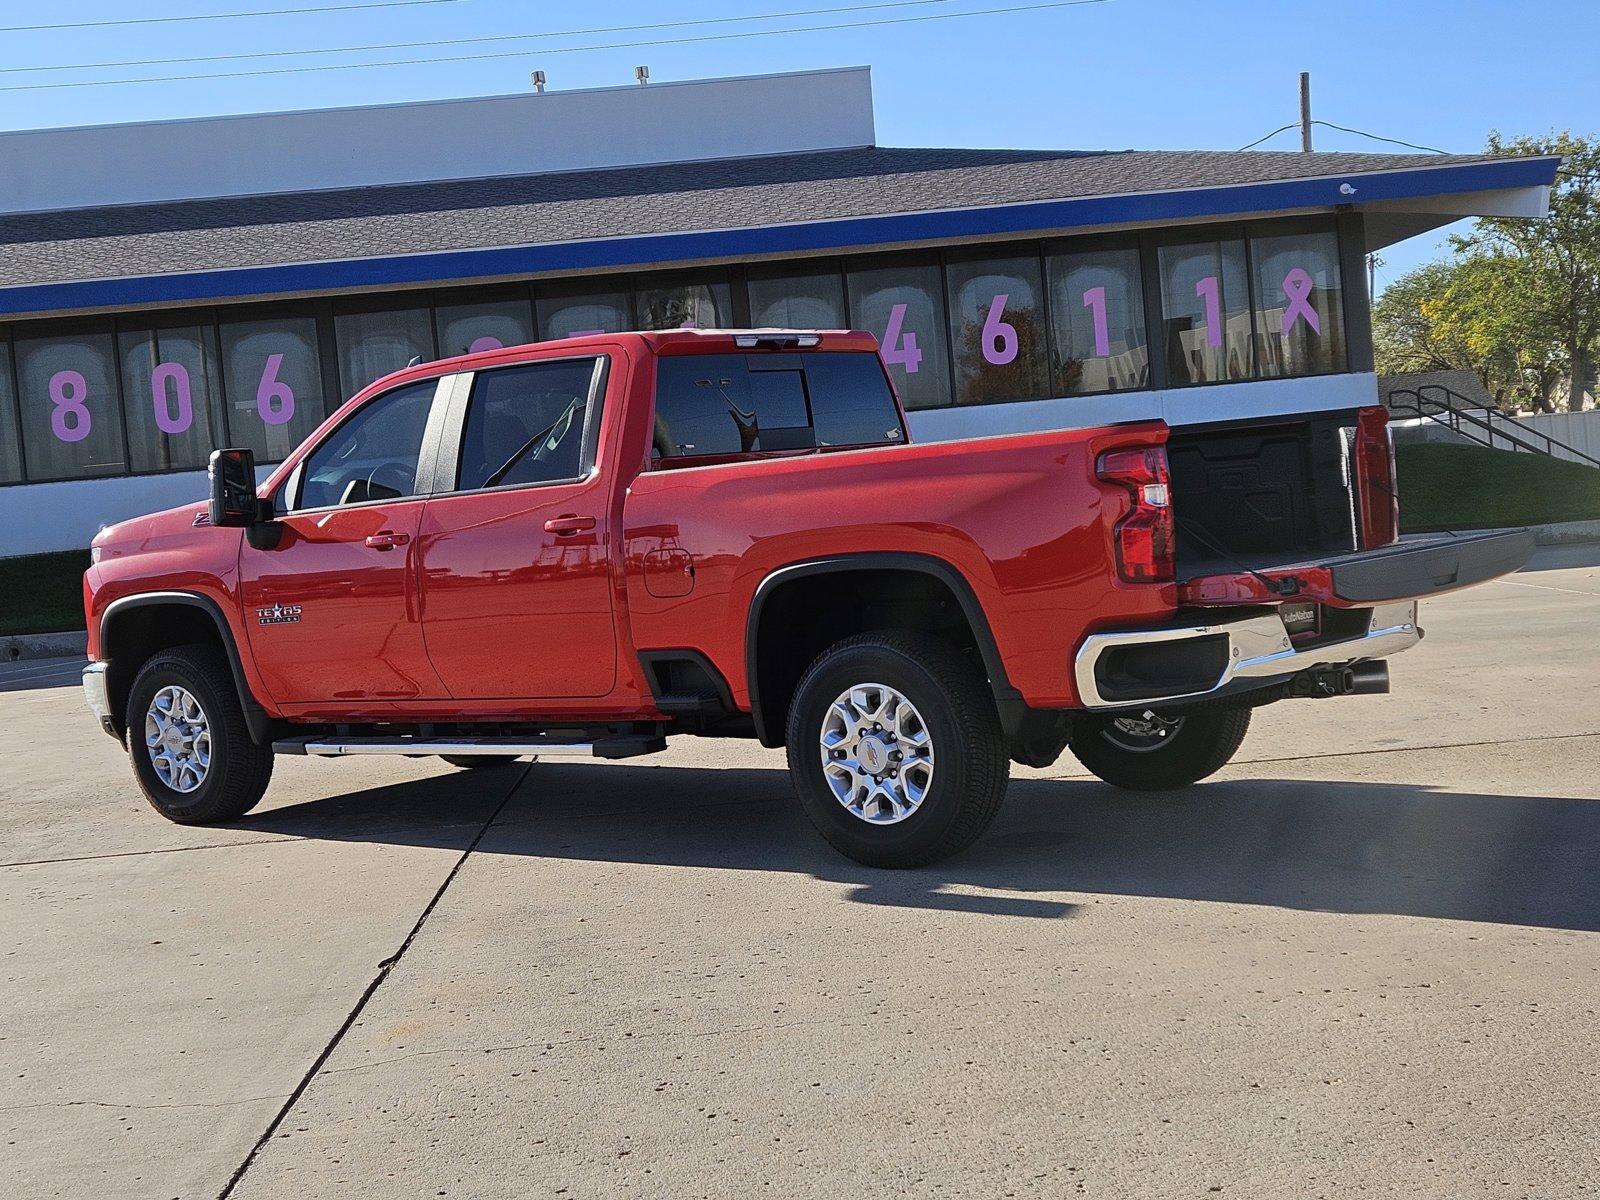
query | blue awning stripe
[841, 235]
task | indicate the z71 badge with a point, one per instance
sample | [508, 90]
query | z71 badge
[279, 614]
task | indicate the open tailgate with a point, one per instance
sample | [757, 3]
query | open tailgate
[1409, 570]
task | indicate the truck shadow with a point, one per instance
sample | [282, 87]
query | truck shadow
[1342, 847]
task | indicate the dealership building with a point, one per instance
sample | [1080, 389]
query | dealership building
[167, 288]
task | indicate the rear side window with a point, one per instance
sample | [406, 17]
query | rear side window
[722, 404]
[526, 425]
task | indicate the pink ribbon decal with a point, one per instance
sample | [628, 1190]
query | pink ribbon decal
[1297, 290]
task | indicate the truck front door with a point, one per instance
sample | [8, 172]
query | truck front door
[514, 562]
[332, 609]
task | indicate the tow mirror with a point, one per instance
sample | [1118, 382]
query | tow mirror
[233, 488]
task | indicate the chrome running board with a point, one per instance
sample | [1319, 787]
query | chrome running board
[322, 746]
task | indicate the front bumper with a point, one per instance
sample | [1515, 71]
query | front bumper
[98, 696]
[1142, 667]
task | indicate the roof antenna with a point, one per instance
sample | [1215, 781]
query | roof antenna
[538, 82]
[642, 74]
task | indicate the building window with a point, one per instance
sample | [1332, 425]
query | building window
[373, 344]
[1205, 307]
[473, 326]
[272, 370]
[10, 435]
[797, 300]
[667, 303]
[374, 454]
[566, 312]
[1299, 304]
[1097, 314]
[71, 425]
[170, 395]
[997, 329]
[903, 306]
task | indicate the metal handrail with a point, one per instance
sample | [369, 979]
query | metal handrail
[1455, 413]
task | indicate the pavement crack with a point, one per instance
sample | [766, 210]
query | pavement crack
[138, 1107]
[382, 973]
[70, 858]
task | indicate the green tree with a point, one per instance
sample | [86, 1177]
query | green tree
[1557, 259]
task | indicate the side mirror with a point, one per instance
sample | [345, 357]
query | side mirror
[233, 488]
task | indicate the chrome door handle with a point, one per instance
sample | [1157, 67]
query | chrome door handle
[387, 540]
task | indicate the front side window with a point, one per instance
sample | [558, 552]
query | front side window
[374, 455]
[1299, 307]
[1205, 307]
[709, 405]
[1097, 308]
[526, 425]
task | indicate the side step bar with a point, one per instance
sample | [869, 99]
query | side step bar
[328, 746]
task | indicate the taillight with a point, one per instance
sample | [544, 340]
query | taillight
[1143, 538]
[1377, 488]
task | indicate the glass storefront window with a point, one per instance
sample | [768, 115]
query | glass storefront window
[686, 304]
[797, 301]
[372, 344]
[10, 436]
[71, 427]
[997, 329]
[273, 374]
[566, 313]
[170, 397]
[1299, 304]
[473, 326]
[1205, 307]
[1097, 310]
[903, 306]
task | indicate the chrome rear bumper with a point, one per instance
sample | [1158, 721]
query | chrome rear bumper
[1257, 649]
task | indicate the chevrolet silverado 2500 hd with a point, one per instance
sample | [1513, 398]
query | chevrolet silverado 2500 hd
[585, 546]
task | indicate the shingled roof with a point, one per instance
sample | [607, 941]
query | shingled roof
[726, 194]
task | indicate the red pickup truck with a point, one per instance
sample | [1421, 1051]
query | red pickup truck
[581, 547]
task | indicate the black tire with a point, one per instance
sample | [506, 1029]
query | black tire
[470, 761]
[970, 764]
[1195, 745]
[238, 770]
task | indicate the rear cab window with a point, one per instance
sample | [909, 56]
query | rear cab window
[719, 406]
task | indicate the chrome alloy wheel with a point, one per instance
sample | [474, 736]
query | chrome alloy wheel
[178, 738]
[877, 754]
[1142, 734]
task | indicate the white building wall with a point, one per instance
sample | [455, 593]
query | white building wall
[258, 153]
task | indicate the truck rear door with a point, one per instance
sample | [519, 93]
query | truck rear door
[514, 567]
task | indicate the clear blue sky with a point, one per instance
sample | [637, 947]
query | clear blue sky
[1142, 74]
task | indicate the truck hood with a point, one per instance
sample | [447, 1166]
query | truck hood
[147, 532]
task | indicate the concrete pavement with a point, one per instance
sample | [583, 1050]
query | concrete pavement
[1362, 961]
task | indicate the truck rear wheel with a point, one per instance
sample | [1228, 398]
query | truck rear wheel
[896, 749]
[192, 752]
[1149, 752]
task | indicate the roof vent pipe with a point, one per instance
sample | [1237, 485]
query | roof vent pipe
[538, 82]
[642, 74]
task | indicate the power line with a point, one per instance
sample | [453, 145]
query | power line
[468, 41]
[1377, 137]
[229, 16]
[407, 62]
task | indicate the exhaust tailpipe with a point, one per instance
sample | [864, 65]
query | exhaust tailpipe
[1370, 679]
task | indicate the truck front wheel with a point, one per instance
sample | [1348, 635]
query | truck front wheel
[896, 749]
[1150, 752]
[192, 751]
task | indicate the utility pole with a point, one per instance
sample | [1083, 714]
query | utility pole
[1305, 112]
